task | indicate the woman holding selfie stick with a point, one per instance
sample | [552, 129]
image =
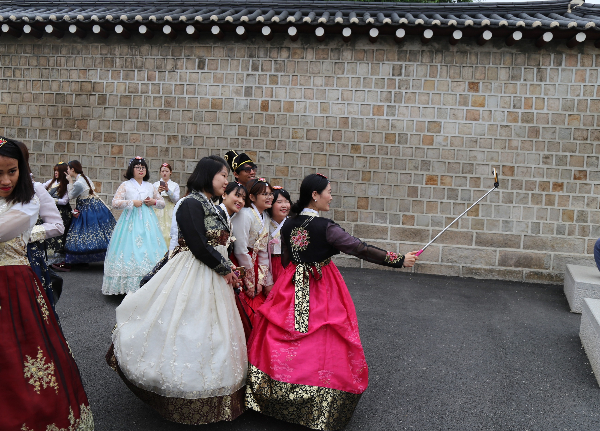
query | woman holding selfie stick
[170, 192]
[179, 343]
[137, 243]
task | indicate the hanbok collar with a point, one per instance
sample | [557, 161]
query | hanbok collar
[225, 221]
[277, 227]
[309, 212]
[139, 187]
[222, 205]
[258, 215]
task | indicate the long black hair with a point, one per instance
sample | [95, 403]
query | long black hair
[23, 191]
[61, 168]
[133, 163]
[76, 166]
[311, 183]
[277, 191]
[202, 178]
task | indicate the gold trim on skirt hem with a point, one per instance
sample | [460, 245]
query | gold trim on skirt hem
[197, 411]
[312, 406]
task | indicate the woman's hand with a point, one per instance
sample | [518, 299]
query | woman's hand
[410, 259]
[267, 290]
[69, 178]
[231, 279]
[137, 203]
[161, 189]
[259, 289]
[150, 202]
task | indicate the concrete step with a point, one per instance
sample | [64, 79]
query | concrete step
[589, 333]
[581, 282]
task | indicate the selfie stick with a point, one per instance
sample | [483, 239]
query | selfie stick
[496, 185]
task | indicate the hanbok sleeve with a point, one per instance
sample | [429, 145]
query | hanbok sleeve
[241, 224]
[47, 183]
[17, 219]
[120, 200]
[349, 244]
[75, 189]
[264, 268]
[190, 219]
[62, 201]
[52, 221]
[174, 192]
[160, 202]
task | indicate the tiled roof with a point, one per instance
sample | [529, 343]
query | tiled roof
[563, 18]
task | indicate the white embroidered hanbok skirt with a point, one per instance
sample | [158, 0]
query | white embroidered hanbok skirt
[179, 343]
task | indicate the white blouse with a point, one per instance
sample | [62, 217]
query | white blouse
[174, 233]
[275, 236]
[131, 190]
[173, 193]
[48, 185]
[79, 188]
[52, 221]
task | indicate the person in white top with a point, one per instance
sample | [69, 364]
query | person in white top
[251, 230]
[137, 243]
[57, 188]
[279, 213]
[92, 224]
[29, 328]
[170, 192]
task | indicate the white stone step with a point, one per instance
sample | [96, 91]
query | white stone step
[589, 333]
[581, 282]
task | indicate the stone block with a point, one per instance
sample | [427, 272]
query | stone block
[589, 333]
[492, 273]
[581, 282]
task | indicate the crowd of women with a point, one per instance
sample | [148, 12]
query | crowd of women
[232, 302]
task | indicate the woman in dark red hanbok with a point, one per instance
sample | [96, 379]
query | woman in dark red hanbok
[309, 367]
[41, 386]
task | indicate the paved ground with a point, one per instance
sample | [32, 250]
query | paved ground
[444, 354]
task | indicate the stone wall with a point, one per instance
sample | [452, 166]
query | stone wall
[408, 134]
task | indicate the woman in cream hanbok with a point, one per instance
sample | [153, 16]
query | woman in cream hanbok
[250, 250]
[170, 192]
[179, 342]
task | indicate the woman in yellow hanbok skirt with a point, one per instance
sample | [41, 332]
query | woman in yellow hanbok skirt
[169, 190]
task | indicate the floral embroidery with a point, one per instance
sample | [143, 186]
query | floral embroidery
[392, 257]
[42, 302]
[39, 373]
[299, 239]
[84, 423]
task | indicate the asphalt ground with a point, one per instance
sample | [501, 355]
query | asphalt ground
[444, 353]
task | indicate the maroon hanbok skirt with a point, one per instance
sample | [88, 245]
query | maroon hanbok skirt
[41, 385]
[247, 306]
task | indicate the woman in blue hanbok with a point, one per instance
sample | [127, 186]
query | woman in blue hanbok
[92, 224]
[137, 243]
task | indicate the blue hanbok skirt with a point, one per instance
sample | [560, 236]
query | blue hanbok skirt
[89, 234]
[135, 248]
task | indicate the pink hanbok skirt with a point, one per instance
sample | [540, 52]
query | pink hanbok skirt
[315, 378]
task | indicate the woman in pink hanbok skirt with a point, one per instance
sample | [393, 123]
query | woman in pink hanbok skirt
[309, 367]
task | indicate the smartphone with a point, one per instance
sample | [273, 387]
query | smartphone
[163, 184]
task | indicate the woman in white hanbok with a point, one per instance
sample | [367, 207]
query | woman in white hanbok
[170, 192]
[179, 343]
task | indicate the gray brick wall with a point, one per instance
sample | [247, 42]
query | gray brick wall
[408, 134]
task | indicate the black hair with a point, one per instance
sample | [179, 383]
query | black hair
[134, 162]
[23, 191]
[76, 166]
[255, 186]
[236, 187]
[202, 178]
[311, 183]
[276, 193]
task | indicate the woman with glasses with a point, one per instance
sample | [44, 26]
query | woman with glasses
[169, 190]
[92, 224]
[250, 249]
[137, 243]
[278, 213]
